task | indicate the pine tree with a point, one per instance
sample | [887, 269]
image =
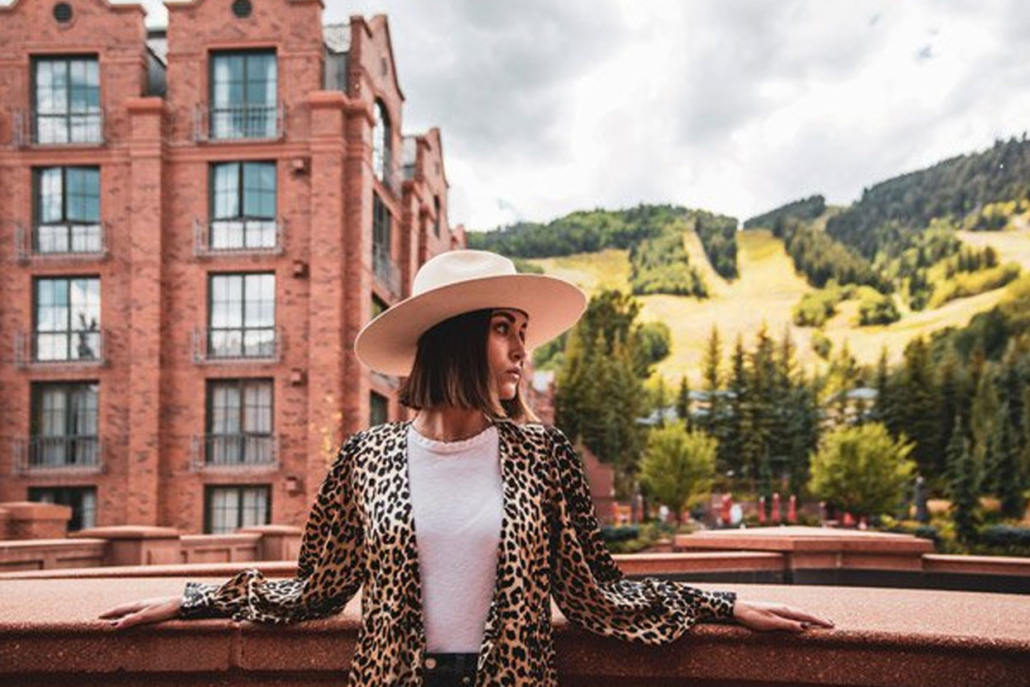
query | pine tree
[683, 404]
[736, 425]
[964, 483]
[1007, 471]
[949, 402]
[917, 408]
[984, 418]
[711, 365]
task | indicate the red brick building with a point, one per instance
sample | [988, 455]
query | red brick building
[195, 225]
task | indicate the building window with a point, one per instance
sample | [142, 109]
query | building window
[67, 318]
[63, 425]
[66, 100]
[83, 502]
[242, 313]
[227, 508]
[436, 216]
[378, 306]
[243, 200]
[67, 210]
[381, 239]
[243, 95]
[378, 409]
[239, 422]
[381, 138]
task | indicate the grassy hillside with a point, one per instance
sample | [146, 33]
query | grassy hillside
[767, 290]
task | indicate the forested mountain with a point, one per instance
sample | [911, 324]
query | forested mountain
[805, 209]
[890, 212]
[652, 233]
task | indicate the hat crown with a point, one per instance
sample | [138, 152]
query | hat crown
[457, 266]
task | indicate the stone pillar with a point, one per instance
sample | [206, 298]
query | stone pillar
[137, 545]
[31, 520]
[145, 334]
[329, 275]
[278, 542]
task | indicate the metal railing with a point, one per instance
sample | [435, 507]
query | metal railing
[239, 122]
[59, 454]
[74, 347]
[386, 271]
[72, 240]
[58, 128]
[237, 344]
[238, 236]
[235, 451]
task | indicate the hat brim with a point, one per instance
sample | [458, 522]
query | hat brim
[388, 343]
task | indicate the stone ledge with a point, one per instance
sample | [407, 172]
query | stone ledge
[50, 633]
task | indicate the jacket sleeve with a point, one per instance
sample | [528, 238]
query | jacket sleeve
[588, 586]
[330, 568]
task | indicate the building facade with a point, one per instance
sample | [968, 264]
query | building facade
[196, 223]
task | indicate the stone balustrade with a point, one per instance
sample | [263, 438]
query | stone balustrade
[50, 634]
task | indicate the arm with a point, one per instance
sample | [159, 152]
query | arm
[588, 586]
[330, 568]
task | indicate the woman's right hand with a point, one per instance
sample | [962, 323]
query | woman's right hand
[153, 610]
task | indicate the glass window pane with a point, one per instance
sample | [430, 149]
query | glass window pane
[227, 192]
[257, 410]
[255, 506]
[51, 194]
[225, 510]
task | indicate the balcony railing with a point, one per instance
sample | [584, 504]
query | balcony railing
[80, 241]
[235, 451]
[62, 454]
[239, 122]
[76, 347]
[238, 236]
[59, 128]
[387, 274]
[237, 344]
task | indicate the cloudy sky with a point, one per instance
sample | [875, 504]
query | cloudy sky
[735, 106]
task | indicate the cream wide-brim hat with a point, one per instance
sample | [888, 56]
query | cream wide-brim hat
[457, 282]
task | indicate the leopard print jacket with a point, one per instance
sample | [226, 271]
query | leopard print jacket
[361, 534]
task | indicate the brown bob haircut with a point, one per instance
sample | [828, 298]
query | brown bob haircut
[451, 369]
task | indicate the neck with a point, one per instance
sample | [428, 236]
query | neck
[448, 423]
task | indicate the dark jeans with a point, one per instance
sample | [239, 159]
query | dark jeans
[450, 670]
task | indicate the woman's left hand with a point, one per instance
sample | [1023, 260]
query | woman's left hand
[761, 615]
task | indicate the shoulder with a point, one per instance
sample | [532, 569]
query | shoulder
[538, 436]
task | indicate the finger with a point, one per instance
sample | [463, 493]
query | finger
[796, 614]
[131, 620]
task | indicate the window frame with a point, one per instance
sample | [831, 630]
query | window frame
[34, 62]
[232, 110]
[69, 333]
[86, 444]
[92, 230]
[243, 329]
[241, 385]
[209, 490]
[261, 226]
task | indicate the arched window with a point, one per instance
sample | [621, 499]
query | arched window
[436, 216]
[381, 137]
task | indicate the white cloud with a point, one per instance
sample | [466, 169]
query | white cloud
[731, 105]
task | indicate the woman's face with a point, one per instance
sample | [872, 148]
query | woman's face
[506, 350]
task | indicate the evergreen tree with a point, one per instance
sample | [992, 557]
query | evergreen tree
[885, 406]
[949, 403]
[683, 404]
[984, 418]
[711, 365]
[1007, 476]
[917, 408]
[964, 483]
[736, 425]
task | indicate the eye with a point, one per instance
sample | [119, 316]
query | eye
[502, 327]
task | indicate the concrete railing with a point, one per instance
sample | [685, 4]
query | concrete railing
[50, 633]
[132, 546]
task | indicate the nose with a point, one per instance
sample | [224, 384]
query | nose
[518, 351]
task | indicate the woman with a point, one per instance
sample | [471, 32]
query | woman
[503, 512]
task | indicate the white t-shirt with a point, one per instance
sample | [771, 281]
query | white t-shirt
[458, 501]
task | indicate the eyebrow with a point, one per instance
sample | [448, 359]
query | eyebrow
[508, 316]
